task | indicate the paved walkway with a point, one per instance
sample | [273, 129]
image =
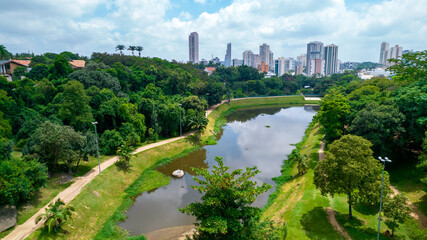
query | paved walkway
[67, 195]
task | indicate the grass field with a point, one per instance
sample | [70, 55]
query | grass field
[302, 207]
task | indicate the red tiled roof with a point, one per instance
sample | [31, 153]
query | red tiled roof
[25, 63]
[210, 69]
[78, 63]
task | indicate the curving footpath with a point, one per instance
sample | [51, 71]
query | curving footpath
[67, 195]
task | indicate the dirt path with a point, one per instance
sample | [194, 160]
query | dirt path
[24, 230]
[335, 224]
[416, 213]
[321, 152]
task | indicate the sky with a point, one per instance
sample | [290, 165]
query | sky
[162, 27]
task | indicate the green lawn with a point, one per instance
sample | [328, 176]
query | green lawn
[302, 207]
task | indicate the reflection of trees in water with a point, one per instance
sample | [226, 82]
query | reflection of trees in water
[195, 159]
[244, 115]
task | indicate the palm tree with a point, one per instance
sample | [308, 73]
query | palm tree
[4, 54]
[120, 48]
[139, 49]
[302, 164]
[56, 215]
[132, 48]
[125, 155]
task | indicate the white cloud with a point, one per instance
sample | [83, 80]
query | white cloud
[200, 1]
[286, 25]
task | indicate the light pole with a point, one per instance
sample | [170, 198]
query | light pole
[180, 127]
[381, 199]
[97, 148]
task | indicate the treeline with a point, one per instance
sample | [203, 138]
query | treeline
[391, 114]
[245, 81]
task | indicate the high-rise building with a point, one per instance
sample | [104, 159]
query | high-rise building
[271, 62]
[193, 43]
[384, 53]
[265, 54]
[227, 60]
[257, 61]
[314, 51]
[331, 58]
[303, 60]
[237, 62]
[289, 64]
[394, 53]
[248, 58]
[279, 66]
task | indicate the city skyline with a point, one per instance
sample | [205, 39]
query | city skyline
[162, 27]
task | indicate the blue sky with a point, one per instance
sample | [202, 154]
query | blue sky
[162, 26]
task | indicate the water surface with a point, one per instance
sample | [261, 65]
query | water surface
[256, 137]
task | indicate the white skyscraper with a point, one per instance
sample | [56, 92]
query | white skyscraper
[248, 58]
[384, 53]
[193, 43]
[279, 67]
[227, 60]
[331, 59]
[395, 53]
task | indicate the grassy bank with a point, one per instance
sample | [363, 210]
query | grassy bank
[302, 207]
[100, 205]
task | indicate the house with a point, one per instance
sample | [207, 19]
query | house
[7, 67]
[77, 64]
[209, 70]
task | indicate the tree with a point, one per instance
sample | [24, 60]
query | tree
[225, 211]
[110, 141]
[396, 210]
[60, 68]
[132, 48]
[350, 169]
[412, 67]
[380, 124]
[120, 48]
[333, 111]
[97, 78]
[125, 155]
[4, 54]
[56, 216]
[55, 143]
[74, 109]
[20, 179]
[139, 50]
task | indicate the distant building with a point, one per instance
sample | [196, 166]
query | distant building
[289, 64]
[394, 53]
[193, 43]
[77, 64]
[303, 60]
[237, 62]
[279, 67]
[314, 56]
[299, 69]
[264, 53]
[216, 60]
[331, 59]
[209, 70]
[271, 62]
[227, 59]
[383, 53]
[257, 61]
[263, 67]
[248, 58]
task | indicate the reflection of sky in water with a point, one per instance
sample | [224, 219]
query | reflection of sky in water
[243, 144]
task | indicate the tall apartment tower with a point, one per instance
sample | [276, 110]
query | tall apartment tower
[193, 43]
[248, 58]
[314, 57]
[264, 53]
[383, 53]
[279, 67]
[227, 60]
[331, 59]
[395, 53]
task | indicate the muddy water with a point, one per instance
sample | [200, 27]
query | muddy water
[259, 137]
